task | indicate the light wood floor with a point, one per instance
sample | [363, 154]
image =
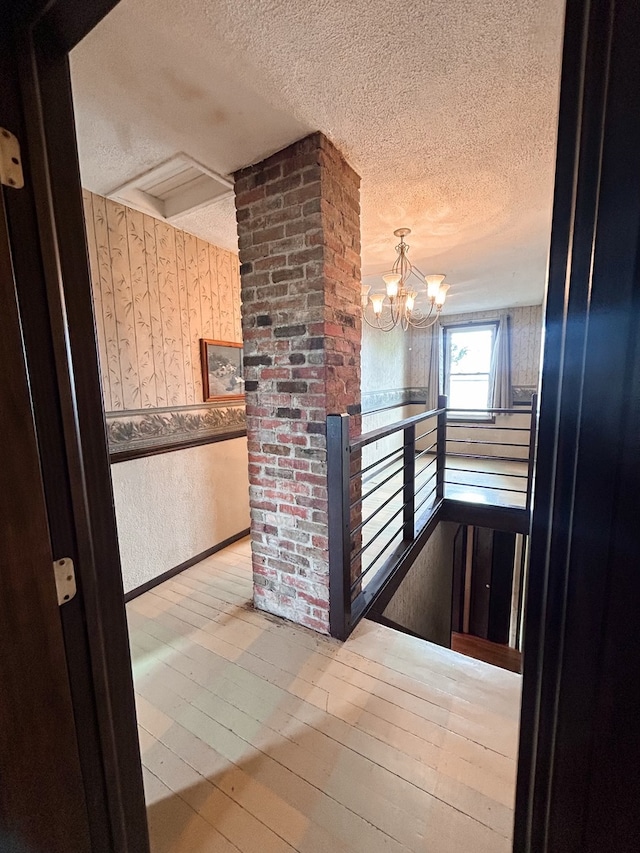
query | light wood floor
[261, 737]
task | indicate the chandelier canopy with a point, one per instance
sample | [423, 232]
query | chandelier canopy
[404, 285]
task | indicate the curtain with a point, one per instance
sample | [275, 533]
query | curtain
[500, 378]
[433, 380]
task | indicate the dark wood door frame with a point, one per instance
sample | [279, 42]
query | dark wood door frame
[578, 772]
[56, 314]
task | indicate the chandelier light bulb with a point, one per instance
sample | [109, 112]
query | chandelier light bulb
[364, 294]
[433, 285]
[442, 295]
[410, 300]
[376, 300]
[392, 282]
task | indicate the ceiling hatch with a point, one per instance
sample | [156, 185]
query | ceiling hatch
[179, 185]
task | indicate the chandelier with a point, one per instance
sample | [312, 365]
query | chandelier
[397, 306]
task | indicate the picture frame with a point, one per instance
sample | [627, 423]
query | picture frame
[222, 374]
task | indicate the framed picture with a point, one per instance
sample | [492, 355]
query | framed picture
[221, 370]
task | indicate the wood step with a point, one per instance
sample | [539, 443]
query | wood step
[494, 653]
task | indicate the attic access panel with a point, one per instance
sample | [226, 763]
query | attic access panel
[175, 187]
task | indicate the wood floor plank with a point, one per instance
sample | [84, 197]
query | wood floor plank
[269, 707]
[386, 802]
[313, 669]
[174, 827]
[497, 654]
[292, 794]
[407, 754]
[258, 735]
[464, 755]
[234, 823]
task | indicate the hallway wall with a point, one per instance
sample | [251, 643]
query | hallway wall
[158, 290]
[422, 602]
[174, 506]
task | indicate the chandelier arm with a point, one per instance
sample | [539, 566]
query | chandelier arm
[425, 322]
[420, 314]
[416, 270]
[378, 325]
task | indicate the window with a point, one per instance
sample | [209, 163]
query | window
[467, 366]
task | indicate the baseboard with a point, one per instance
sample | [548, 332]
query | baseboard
[170, 573]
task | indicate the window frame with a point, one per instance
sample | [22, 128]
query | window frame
[474, 325]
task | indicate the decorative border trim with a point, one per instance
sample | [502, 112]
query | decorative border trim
[161, 430]
[522, 394]
[142, 452]
[376, 401]
[373, 401]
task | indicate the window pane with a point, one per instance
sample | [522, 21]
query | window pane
[468, 392]
[470, 350]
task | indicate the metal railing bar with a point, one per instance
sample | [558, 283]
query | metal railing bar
[480, 441]
[422, 452]
[478, 486]
[376, 511]
[493, 426]
[423, 502]
[374, 465]
[426, 483]
[375, 536]
[426, 467]
[483, 411]
[425, 434]
[478, 456]
[375, 488]
[375, 560]
[490, 473]
[383, 432]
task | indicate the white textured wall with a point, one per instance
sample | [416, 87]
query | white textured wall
[173, 506]
[385, 359]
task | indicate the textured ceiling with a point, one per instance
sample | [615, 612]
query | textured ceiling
[446, 108]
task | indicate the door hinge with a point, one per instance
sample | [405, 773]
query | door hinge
[10, 161]
[65, 576]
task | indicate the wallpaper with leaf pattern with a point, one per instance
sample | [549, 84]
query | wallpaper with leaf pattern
[526, 343]
[157, 291]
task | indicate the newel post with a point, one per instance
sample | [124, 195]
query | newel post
[339, 528]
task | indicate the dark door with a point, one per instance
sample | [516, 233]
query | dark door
[39, 758]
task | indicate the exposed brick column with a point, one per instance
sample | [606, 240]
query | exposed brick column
[298, 218]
